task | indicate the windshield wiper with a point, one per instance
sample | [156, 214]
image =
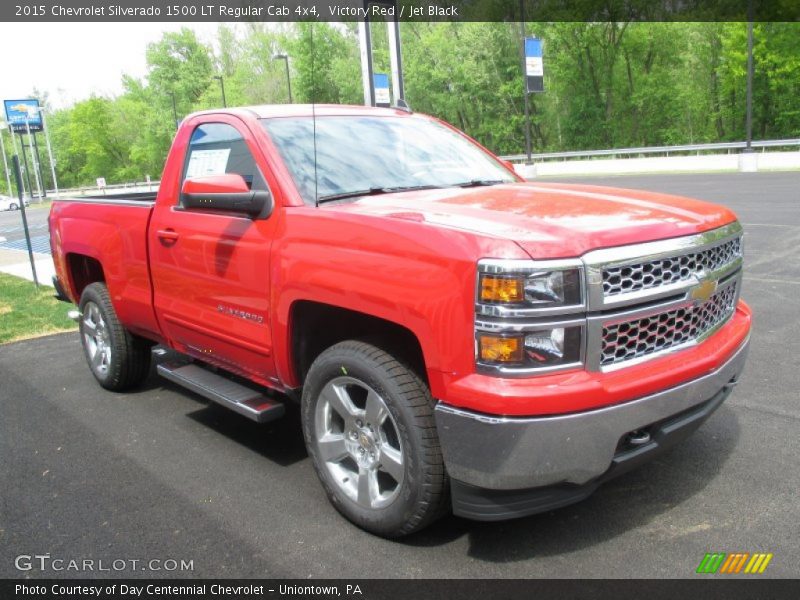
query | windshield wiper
[479, 183]
[374, 191]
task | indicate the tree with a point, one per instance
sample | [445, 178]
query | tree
[606, 85]
[318, 51]
[179, 64]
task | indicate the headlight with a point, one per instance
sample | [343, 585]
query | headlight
[516, 288]
[546, 349]
[554, 288]
[556, 346]
[530, 316]
[502, 289]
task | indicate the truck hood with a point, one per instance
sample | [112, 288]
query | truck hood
[551, 220]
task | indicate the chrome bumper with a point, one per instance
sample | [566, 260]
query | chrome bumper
[507, 453]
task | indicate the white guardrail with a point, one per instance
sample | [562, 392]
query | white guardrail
[131, 187]
[652, 150]
[114, 188]
[771, 155]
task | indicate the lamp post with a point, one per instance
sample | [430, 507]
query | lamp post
[3, 127]
[16, 153]
[49, 149]
[525, 94]
[174, 108]
[221, 80]
[285, 57]
[749, 95]
[30, 114]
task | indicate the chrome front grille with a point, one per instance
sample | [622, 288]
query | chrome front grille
[640, 337]
[664, 271]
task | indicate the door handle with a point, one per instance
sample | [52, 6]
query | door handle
[167, 236]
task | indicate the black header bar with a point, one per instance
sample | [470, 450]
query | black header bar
[401, 10]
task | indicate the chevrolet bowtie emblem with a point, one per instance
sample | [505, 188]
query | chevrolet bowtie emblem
[703, 292]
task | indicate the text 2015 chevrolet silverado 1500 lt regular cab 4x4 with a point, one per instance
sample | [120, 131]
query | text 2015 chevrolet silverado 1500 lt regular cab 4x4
[456, 337]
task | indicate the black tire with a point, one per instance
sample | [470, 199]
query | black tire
[13, 206]
[423, 494]
[128, 361]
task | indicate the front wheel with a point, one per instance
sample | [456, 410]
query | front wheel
[13, 206]
[118, 359]
[369, 428]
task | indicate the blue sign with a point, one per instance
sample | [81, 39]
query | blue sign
[533, 47]
[534, 66]
[382, 95]
[21, 114]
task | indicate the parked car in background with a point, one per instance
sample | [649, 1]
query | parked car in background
[8, 203]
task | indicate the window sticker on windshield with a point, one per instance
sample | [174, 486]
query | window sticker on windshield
[208, 162]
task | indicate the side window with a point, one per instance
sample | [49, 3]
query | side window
[219, 149]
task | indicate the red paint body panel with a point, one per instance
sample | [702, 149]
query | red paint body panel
[223, 287]
[115, 236]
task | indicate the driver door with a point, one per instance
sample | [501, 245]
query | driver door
[210, 268]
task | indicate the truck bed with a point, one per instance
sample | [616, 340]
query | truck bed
[107, 233]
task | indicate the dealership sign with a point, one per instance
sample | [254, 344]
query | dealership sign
[22, 114]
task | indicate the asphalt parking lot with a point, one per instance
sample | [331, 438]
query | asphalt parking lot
[160, 473]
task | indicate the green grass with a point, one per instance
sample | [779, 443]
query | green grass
[26, 312]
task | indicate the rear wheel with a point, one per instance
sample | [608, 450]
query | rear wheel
[13, 206]
[118, 359]
[369, 428]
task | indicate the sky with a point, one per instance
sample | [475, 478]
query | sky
[72, 61]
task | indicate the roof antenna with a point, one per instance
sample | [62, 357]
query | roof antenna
[314, 120]
[403, 105]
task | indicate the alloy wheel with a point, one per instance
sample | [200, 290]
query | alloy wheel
[358, 441]
[96, 339]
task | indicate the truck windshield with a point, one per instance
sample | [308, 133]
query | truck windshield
[358, 156]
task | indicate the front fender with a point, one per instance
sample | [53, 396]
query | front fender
[416, 275]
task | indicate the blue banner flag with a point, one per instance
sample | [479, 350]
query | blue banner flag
[534, 65]
[382, 95]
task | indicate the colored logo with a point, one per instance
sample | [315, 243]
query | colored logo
[703, 292]
[735, 562]
[20, 107]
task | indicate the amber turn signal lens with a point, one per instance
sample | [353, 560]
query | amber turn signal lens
[494, 348]
[502, 289]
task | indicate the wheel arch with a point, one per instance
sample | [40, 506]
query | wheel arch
[83, 270]
[316, 326]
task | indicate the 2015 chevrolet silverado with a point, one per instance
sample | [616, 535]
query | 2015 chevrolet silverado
[456, 337]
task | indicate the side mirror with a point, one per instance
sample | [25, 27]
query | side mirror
[225, 192]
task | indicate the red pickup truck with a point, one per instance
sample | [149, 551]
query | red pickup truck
[456, 337]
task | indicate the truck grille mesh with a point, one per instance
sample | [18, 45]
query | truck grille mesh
[640, 337]
[663, 271]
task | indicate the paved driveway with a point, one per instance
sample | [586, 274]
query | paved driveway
[160, 474]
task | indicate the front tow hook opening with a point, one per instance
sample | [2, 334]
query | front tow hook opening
[637, 438]
[634, 440]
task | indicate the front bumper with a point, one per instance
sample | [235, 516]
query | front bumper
[504, 467]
